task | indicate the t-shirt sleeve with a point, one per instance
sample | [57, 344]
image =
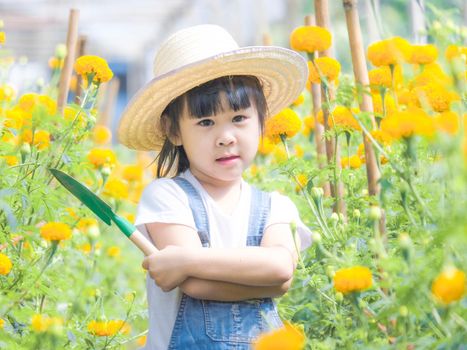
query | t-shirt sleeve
[284, 211]
[164, 201]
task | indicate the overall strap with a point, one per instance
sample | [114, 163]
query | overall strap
[259, 214]
[197, 208]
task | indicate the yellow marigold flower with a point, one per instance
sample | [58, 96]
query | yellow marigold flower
[407, 97]
[309, 125]
[133, 173]
[389, 104]
[413, 121]
[116, 188]
[94, 66]
[41, 138]
[130, 216]
[381, 77]
[438, 97]
[113, 251]
[108, 328]
[299, 100]
[101, 134]
[7, 93]
[2, 37]
[42, 323]
[289, 337]
[55, 63]
[449, 285]
[84, 224]
[448, 122]
[382, 137]
[55, 231]
[16, 118]
[279, 154]
[10, 160]
[431, 74]
[342, 116]
[326, 67]
[352, 279]
[30, 101]
[423, 54]
[2, 323]
[299, 151]
[310, 39]
[286, 123]
[389, 51]
[455, 51]
[5, 264]
[353, 162]
[361, 152]
[102, 157]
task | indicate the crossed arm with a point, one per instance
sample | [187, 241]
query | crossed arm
[221, 274]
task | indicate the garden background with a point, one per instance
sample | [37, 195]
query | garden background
[385, 196]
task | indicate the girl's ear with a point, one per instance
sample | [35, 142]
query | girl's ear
[170, 131]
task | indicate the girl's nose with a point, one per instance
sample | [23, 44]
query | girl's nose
[226, 138]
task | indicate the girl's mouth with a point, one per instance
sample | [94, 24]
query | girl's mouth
[227, 160]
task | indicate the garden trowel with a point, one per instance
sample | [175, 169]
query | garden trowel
[104, 211]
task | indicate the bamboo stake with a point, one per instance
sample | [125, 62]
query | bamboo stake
[319, 128]
[366, 105]
[80, 51]
[322, 20]
[65, 77]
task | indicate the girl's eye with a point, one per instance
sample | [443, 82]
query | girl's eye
[205, 122]
[239, 118]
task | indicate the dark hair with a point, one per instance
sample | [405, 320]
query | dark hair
[204, 101]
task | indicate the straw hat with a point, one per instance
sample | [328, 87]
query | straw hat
[196, 55]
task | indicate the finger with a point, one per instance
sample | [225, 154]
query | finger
[145, 264]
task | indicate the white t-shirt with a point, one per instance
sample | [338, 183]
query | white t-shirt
[165, 202]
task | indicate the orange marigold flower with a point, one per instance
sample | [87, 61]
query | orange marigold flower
[30, 101]
[41, 138]
[448, 122]
[423, 54]
[116, 188]
[2, 37]
[431, 73]
[353, 279]
[95, 67]
[108, 328]
[299, 151]
[102, 157]
[407, 97]
[449, 285]
[437, 96]
[101, 134]
[113, 251]
[55, 63]
[382, 137]
[141, 341]
[309, 125]
[286, 123]
[381, 77]
[310, 39]
[16, 118]
[7, 93]
[5, 264]
[55, 231]
[413, 121]
[326, 67]
[343, 117]
[389, 51]
[2, 323]
[133, 173]
[289, 337]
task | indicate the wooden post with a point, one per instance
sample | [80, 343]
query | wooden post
[80, 51]
[319, 128]
[65, 77]
[322, 20]
[366, 105]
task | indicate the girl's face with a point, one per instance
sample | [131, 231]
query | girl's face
[220, 147]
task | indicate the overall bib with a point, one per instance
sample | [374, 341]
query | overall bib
[218, 325]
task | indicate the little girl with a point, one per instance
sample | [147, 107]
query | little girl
[225, 247]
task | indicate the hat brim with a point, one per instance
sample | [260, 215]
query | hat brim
[282, 72]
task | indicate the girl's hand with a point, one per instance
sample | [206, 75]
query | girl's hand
[167, 267]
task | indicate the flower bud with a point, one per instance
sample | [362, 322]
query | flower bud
[356, 213]
[317, 192]
[404, 240]
[315, 237]
[403, 311]
[330, 271]
[94, 231]
[375, 212]
[341, 217]
[25, 148]
[334, 218]
[339, 296]
[105, 171]
[60, 51]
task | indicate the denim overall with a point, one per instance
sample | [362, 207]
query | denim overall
[207, 324]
